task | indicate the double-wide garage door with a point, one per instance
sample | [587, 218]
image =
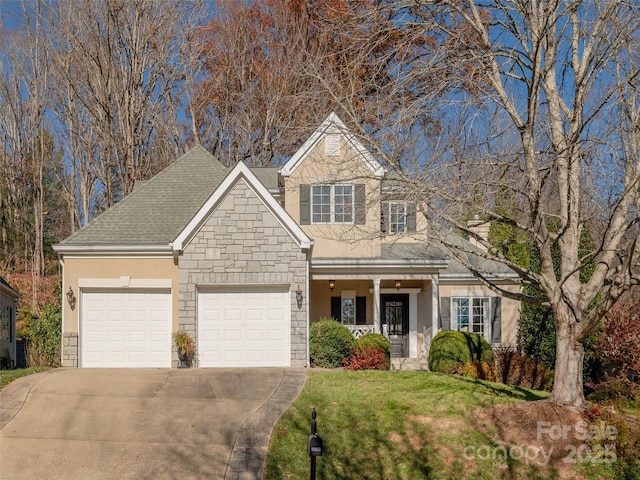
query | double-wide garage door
[248, 327]
[125, 328]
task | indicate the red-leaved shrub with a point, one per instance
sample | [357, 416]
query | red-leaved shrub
[366, 358]
[619, 344]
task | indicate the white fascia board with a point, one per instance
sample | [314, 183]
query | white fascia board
[241, 171]
[378, 262]
[113, 250]
[333, 119]
[125, 282]
[461, 278]
[384, 268]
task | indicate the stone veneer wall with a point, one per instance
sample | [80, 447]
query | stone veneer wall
[243, 243]
[70, 349]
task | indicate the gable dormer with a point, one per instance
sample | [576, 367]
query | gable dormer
[333, 134]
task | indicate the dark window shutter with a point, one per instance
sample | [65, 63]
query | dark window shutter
[384, 217]
[496, 320]
[360, 204]
[305, 204]
[445, 313]
[411, 218]
[336, 308]
[361, 310]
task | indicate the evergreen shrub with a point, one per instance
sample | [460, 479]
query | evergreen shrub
[329, 343]
[451, 348]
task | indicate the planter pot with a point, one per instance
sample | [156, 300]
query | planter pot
[185, 360]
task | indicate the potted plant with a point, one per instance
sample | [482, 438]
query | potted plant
[186, 347]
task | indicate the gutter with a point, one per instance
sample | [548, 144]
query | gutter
[113, 250]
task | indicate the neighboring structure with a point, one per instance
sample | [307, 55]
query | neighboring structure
[8, 307]
[245, 259]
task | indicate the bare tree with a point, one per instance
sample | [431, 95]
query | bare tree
[274, 69]
[551, 122]
[120, 80]
[26, 144]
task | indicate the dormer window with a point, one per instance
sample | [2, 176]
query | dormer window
[332, 145]
[332, 203]
[398, 217]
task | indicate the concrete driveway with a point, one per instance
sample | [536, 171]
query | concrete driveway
[142, 424]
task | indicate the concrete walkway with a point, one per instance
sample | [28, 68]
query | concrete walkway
[142, 423]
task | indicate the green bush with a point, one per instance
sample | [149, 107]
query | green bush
[377, 341]
[451, 348]
[329, 343]
[46, 338]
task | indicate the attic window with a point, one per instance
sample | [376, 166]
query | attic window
[332, 145]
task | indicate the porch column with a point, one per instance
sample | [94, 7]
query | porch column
[376, 305]
[435, 306]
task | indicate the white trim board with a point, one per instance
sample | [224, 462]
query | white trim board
[241, 172]
[125, 282]
[332, 125]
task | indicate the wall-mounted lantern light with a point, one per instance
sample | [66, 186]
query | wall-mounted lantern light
[71, 298]
[299, 296]
[332, 285]
[398, 284]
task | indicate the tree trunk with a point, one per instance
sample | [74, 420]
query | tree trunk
[567, 383]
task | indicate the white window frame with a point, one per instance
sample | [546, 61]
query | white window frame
[394, 217]
[473, 303]
[332, 203]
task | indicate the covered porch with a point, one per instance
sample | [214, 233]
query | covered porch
[395, 297]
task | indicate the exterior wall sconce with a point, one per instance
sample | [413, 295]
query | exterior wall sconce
[332, 285]
[71, 298]
[398, 284]
[299, 296]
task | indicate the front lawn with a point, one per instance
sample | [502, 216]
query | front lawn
[411, 425]
[8, 376]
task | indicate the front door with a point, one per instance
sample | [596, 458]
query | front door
[395, 314]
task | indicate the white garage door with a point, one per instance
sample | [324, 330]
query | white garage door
[248, 328]
[126, 329]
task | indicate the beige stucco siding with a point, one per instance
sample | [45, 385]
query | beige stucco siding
[510, 308]
[109, 268]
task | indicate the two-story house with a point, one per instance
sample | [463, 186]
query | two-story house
[245, 259]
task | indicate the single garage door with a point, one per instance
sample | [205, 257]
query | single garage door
[244, 328]
[126, 329]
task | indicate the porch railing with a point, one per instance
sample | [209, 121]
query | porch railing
[359, 330]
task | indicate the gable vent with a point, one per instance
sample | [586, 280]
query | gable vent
[332, 145]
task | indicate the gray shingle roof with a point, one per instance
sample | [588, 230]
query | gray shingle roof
[455, 268]
[267, 175]
[156, 212]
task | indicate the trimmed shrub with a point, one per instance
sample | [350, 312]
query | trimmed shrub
[376, 340]
[478, 369]
[451, 348]
[329, 343]
[367, 358]
[516, 369]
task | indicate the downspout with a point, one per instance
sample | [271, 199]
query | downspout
[61, 260]
[308, 327]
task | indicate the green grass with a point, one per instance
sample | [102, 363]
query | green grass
[389, 425]
[8, 376]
